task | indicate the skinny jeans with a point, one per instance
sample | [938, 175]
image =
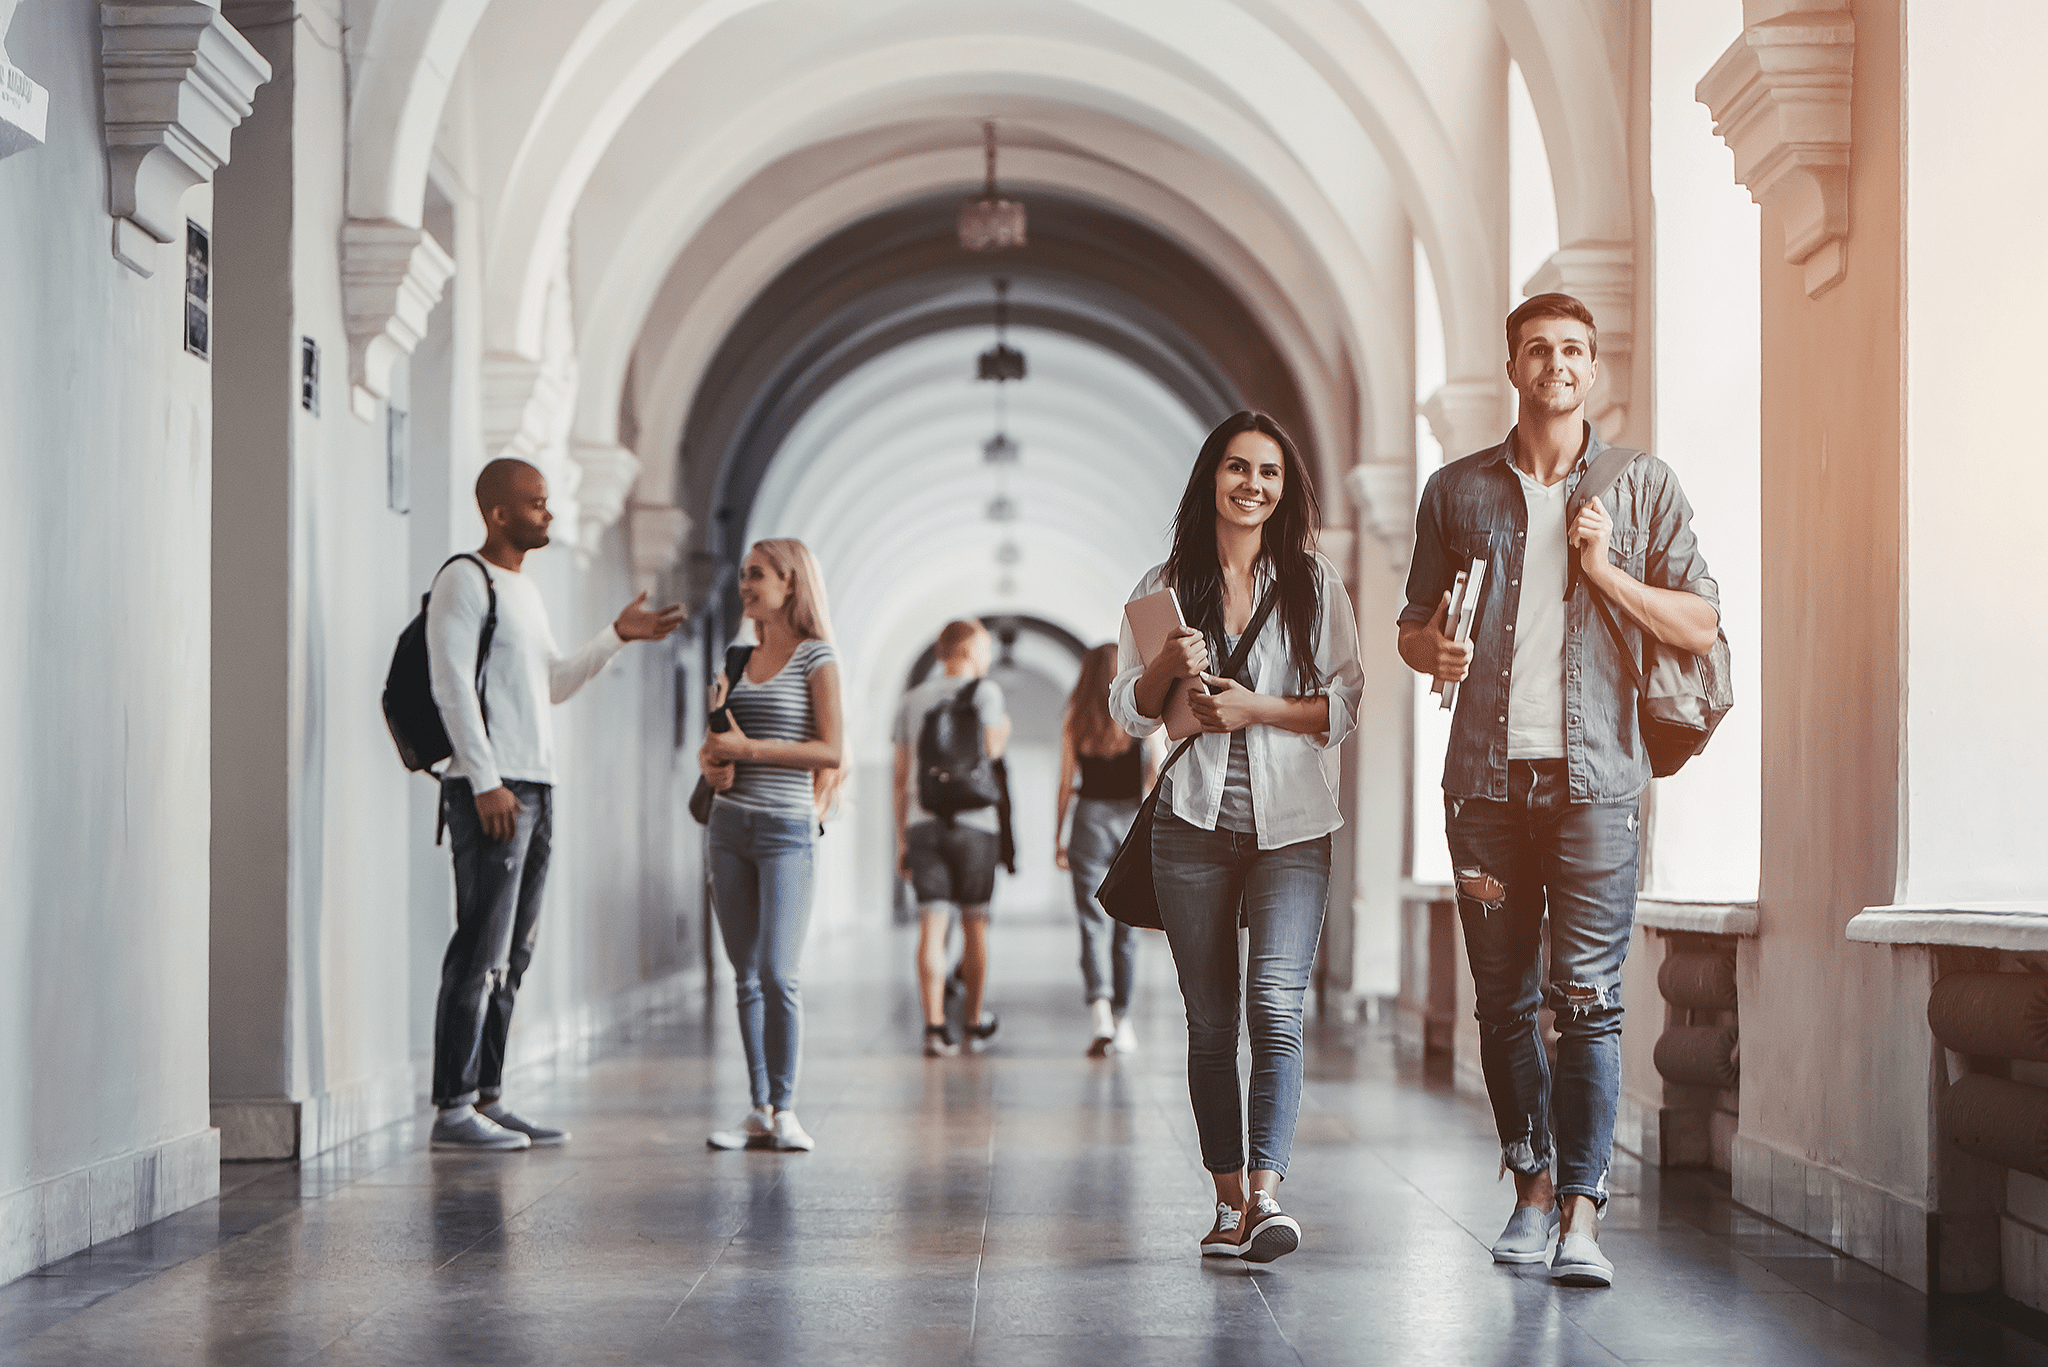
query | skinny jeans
[761, 892]
[1100, 825]
[1202, 877]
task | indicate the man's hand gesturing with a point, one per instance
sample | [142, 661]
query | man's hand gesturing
[636, 622]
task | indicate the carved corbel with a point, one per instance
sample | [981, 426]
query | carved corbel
[391, 278]
[1383, 491]
[655, 537]
[608, 474]
[520, 396]
[1469, 415]
[1600, 275]
[178, 81]
[1780, 100]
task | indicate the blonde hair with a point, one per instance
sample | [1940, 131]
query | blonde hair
[810, 617]
[1086, 720]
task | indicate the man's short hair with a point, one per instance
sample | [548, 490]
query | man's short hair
[958, 636]
[1553, 306]
[496, 485]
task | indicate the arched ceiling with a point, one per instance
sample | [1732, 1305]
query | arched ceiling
[900, 275]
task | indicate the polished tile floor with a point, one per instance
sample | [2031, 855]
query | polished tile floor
[1024, 1206]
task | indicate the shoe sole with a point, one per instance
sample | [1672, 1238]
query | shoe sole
[452, 1146]
[1222, 1250]
[942, 1051]
[795, 1148]
[1521, 1259]
[1581, 1274]
[752, 1141]
[1274, 1238]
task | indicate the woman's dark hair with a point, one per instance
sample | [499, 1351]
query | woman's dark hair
[1288, 546]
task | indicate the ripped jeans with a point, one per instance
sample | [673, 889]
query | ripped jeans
[1513, 860]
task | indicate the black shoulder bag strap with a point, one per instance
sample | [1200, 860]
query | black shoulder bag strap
[1229, 671]
[1600, 476]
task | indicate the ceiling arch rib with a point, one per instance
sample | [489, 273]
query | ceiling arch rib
[876, 286]
[405, 53]
[751, 238]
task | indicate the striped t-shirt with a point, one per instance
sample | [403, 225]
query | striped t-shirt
[779, 709]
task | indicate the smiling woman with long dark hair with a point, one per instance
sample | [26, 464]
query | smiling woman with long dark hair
[1245, 818]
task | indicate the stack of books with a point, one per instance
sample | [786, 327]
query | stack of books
[1463, 611]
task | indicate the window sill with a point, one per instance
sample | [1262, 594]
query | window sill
[2018, 926]
[1698, 918]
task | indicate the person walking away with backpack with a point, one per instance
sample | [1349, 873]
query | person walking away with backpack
[1244, 820]
[1115, 772]
[1547, 762]
[497, 793]
[950, 731]
[775, 770]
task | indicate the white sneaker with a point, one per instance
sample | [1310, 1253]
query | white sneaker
[757, 1131]
[1579, 1262]
[1126, 1041]
[461, 1128]
[1105, 1029]
[791, 1136]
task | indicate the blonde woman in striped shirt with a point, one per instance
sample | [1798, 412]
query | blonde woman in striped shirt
[776, 771]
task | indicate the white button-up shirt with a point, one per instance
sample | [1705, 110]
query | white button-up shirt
[1294, 777]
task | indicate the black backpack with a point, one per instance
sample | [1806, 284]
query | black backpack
[409, 709]
[954, 772]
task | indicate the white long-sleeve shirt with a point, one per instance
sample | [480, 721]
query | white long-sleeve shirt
[1294, 777]
[525, 673]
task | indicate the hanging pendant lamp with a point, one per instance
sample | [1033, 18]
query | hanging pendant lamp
[988, 222]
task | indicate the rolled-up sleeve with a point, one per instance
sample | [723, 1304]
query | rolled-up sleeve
[1673, 559]
[1431, 569]
[1337, 656]
[1123, 690]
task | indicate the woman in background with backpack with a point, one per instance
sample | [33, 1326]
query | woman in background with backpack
[1244, 819]
[1115, 772]
[775, 771]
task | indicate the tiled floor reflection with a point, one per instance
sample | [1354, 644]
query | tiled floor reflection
[1026, 1206]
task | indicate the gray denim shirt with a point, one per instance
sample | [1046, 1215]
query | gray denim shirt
[1474, 508]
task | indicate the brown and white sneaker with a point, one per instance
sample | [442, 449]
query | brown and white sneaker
[1224, 1239]
[1270, 1232]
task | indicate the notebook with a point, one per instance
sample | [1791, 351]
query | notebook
[1153, 618]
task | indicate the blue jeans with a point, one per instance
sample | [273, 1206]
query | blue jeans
[1202, 877]
[1099, 827]
[1514, 860]
[761, 890]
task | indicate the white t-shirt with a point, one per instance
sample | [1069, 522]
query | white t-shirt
[1536, 689]
[524, 674]
[941, 688]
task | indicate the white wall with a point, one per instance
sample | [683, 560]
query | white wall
[104, 434]
[1977, 292]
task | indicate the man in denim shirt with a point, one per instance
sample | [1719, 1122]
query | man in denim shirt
[1546, 765]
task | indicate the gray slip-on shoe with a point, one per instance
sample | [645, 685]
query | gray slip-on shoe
[504, 1117]
[464, 1129]
[1527, 1237]
[1579, 1262]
